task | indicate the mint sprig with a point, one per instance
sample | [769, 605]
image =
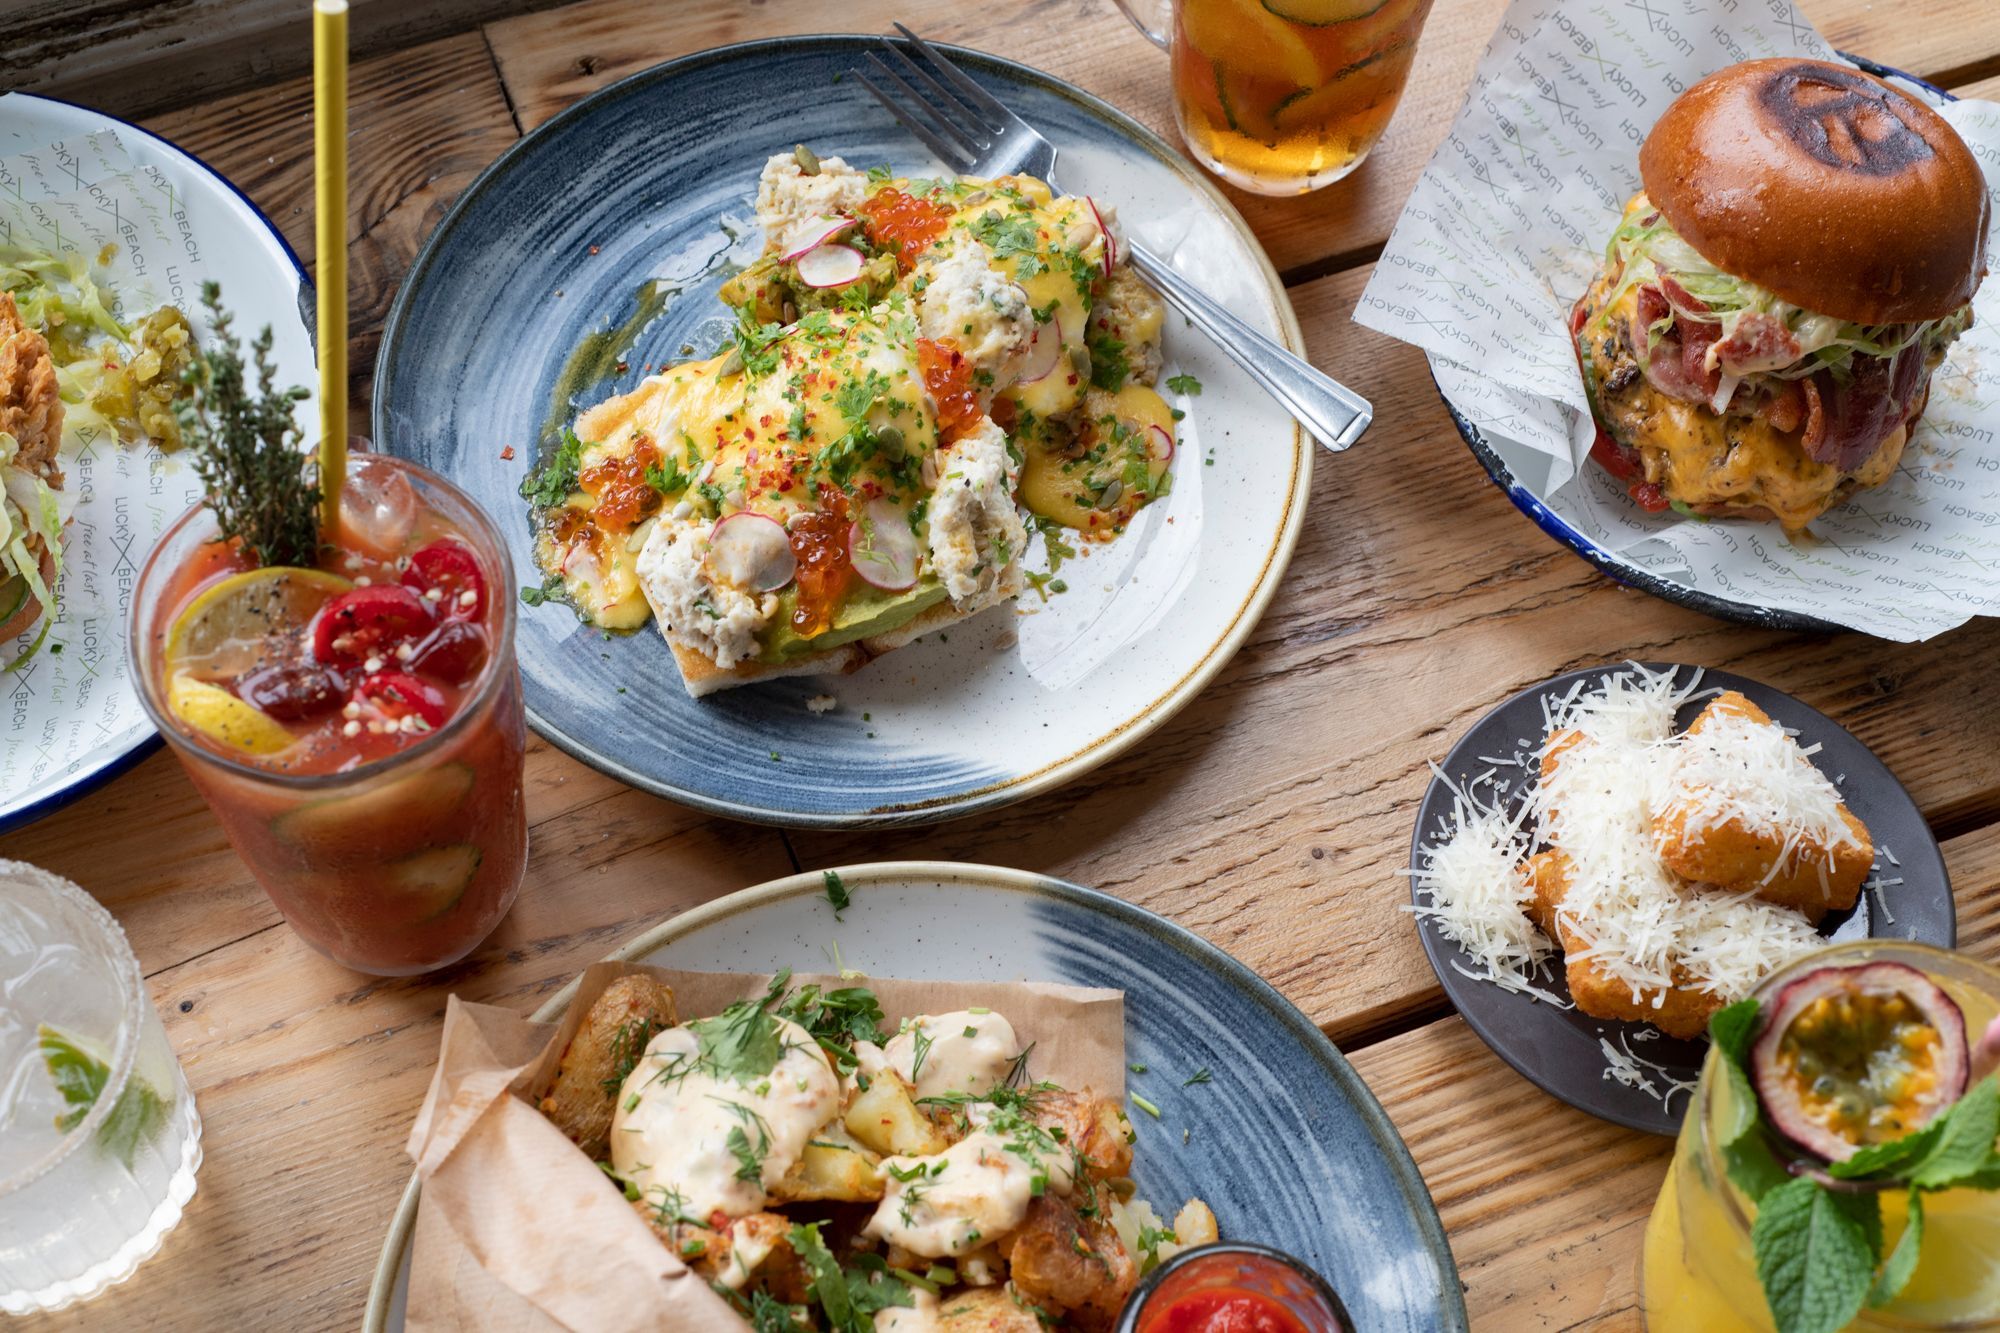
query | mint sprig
[1818, 1234]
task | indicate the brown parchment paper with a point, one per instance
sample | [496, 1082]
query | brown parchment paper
[518, 1231]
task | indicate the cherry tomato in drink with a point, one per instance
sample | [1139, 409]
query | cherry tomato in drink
[369, 622]
[449, 569]
[452, 653]
[291, 691]
[391, 696]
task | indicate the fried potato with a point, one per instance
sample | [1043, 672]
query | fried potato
[603, 1051]
[1682, 1012]
[31, 406]
[1060, 1259]
[1814, 879]
[1094, 1126]
[752, 1252]
[1195, 1225]
[987, 1310]
[885, 1119]
[832, 1172]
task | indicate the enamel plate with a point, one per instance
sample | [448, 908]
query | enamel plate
[1560, 1050]
[1630, 573]
[78, 181]
[621, 217]
[1286, 1143]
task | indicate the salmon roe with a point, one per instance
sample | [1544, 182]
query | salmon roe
[624, 496]
[948, 376]
[903, 223]
[819, 541]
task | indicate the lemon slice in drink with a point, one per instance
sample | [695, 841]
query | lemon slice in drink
[221, 716]
[228, 629]
[1243, 35]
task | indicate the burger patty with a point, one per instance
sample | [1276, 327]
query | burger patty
[1747, 462]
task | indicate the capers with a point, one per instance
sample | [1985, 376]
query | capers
[889, 439]
[1110, 494]
[807, 159]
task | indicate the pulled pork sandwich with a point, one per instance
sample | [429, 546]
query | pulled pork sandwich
[1761, 339]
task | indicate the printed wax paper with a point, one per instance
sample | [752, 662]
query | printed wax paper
[1507, 227]
[71, 708]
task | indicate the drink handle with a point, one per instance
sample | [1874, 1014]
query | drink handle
[1162, 16]
[1333, 413]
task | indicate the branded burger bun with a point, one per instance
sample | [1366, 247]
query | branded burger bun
[1827, 186]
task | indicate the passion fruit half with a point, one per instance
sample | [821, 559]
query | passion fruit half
[1850, 1056]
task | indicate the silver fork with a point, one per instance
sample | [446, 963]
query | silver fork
[974, 134]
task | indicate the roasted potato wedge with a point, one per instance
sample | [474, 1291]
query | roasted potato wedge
[884, 1118]
[1195, 1225]
[1064, 1261]
[831, 1172]
[988, 1310]
[603, 1051]
[1094, 1126]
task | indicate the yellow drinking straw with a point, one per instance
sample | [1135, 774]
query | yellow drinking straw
[330, 167]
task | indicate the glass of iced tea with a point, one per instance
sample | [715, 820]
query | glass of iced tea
[356, 726]
[1285, 96]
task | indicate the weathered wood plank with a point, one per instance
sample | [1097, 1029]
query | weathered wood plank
[423, 122]
[1275, 813]
[140, 57]
[549, 60]
[1546, 1206]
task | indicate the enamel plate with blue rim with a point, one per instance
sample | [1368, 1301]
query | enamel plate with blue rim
[1284, 1140]
[612, 226]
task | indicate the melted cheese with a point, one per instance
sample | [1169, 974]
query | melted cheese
[1704, 460]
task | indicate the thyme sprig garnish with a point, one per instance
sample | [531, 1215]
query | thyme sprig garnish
[246, 445]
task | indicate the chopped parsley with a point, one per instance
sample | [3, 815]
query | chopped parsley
[667, 476]
[1198, 1076]
[1108, 365]
[1187, 384]
[557, 479]
[551, 589]
[836, 892]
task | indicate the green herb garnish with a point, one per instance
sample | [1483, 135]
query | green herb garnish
[135, 1118]
[1187, 384]
[836, 893]
[246, 442]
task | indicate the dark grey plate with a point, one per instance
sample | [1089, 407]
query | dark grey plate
[1557, 1049]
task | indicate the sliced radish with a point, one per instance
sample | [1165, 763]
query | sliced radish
[1159, 445]
[1110, 241]
[830, 266]
[751, 551]
[812, 232]
[1044, 352]
[882, 548]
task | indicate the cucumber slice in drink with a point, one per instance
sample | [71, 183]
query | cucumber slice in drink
[1323, 13]
[431, 882]
[417, 801]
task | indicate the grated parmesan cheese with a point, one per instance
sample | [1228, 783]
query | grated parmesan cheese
[1472, 879]
[1623, 1067]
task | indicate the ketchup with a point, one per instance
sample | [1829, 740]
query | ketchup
[1219, 1310]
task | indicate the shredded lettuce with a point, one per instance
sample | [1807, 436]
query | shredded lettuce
[28, 509]
[1646, 248]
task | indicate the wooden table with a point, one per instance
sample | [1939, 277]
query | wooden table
[1273, 815]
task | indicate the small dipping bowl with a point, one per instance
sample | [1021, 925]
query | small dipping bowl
[1240, 1266]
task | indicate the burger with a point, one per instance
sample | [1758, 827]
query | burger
[1760, 341]
[31, 420]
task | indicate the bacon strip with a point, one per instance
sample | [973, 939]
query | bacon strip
[1846, 424]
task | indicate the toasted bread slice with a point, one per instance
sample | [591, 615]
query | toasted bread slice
[1813, 877]
[701, 676]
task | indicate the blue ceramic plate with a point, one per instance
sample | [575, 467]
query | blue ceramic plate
[75, 179]
[1616, 566]
[651, 181]
[1558, 1049]
[1286, 1144]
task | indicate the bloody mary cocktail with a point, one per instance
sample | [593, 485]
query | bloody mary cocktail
[356, 725]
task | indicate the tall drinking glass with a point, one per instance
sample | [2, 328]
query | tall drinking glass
[356, 727]
[1700, 1272]
[1283, 96]
[99, 1140]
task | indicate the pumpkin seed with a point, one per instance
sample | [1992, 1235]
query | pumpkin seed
[1079, 359]
[731, 364]
[1111, 493]
[807, 159]
[889, 440]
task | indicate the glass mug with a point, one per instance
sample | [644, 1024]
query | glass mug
[1284, 96]
[1700, 1271]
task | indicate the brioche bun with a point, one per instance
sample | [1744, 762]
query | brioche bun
[1824, 185]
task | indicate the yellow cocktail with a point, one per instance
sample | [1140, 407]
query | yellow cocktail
[1700, 1273]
